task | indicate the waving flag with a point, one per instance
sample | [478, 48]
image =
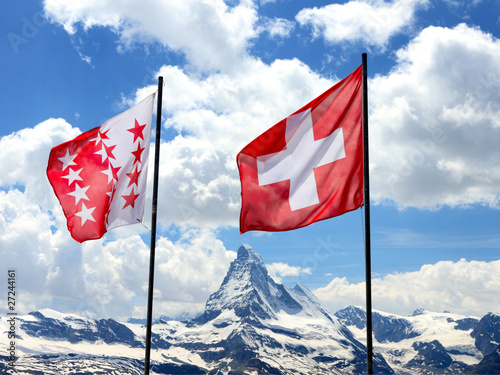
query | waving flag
[309, 166]
[100, 176]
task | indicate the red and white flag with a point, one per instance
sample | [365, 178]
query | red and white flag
[309, 166]
[100, 176]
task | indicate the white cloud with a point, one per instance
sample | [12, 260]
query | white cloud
[372, 22]
[461, 287]
[278, 27]
[434, 121]
[280, 269]
[24, 155]
[190, 270]
[109, 277]
[211, 34]
[187, 271]
[47, 260]
[40, 255]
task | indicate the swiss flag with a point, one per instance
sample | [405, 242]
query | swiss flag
[100, 176]
[309, 166]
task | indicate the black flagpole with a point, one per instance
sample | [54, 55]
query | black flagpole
[368, 276]
[153, 227]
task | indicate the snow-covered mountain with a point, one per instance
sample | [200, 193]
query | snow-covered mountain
[429, 342]
[268, 328]
[253, 325]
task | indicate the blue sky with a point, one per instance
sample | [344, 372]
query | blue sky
[232, 69]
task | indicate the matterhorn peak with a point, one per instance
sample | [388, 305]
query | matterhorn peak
[249, 291]
[247, 268]
[247, 254]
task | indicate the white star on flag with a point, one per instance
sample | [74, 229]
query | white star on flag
[86, 214]
[73, 176]
[67, 160]
[79, 193]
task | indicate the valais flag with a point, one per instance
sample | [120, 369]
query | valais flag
[100, 176]
[309, 166]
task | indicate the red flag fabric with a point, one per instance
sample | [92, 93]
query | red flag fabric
[100, 176]
[309, 166]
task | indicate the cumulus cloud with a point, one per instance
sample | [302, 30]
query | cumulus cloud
[461, 287]
[187, 271]
[280, 269]
[24, 156]
[211, 34]
[105, 278]
[110, 279]
[278, 27]
[434, 115]
[372, 22]
[41, 255]
[434, 121]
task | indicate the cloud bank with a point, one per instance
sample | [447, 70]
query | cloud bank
[466, 287]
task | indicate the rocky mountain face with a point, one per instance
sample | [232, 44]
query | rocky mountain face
[253, 325]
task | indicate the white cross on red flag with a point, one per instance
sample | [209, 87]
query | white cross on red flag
[100, 176]
[309, 166]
